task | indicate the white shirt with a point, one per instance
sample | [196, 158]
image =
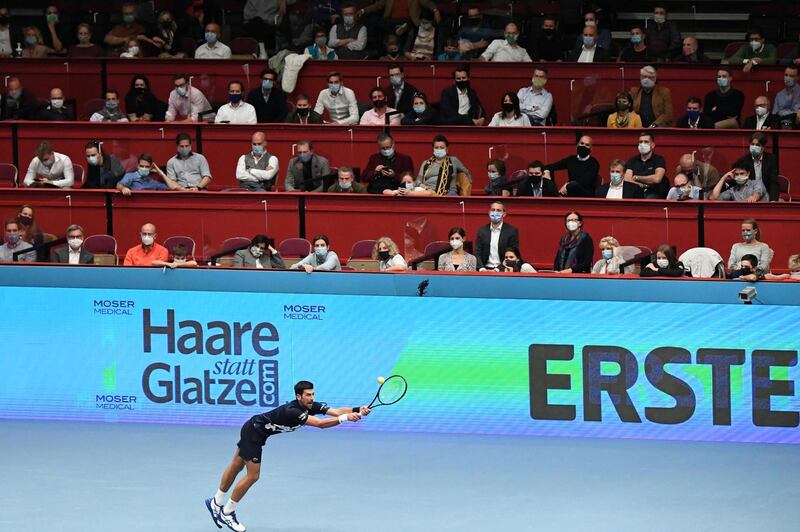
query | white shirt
[757, 167]
[244, 113]
[97, 117]
[463, 101]
[342, 108]
[494, 253]
[535, 104]
[74, 256]
[499, 50]
[59, 174]
[5, 42]
[397, 260]
[189, 106]
[218, 51]
[499, 120]
[760, 121]
[614, 192]
[587, 56]
[254, 174]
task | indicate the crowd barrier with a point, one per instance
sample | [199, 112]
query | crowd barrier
[211, 217]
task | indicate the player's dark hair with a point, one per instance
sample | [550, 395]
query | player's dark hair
[302, 386]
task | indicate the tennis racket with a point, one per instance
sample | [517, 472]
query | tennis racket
[391, 391]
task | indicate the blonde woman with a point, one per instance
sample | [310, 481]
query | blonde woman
[386, 252]
[34, 44]
[611, 261]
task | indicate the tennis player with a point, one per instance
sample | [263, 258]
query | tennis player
[254, 434]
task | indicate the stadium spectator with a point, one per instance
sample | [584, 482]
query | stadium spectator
[339, 101]
[388, 256]
[589, 51]
[474, 34]
[664, 263]
[188, 169]
[74, 252]
[575, 249]
[269, 99]
[383, 169]
[651, 101]
[149, 252]
[110, 111]
[85, 47]
[399, 15]
[459, 104]
[56, 32]
[664, 37]
[141, 180]
[494, 238]
[648, 169]
[399, 93]
[514, 263]
[29, 230]
[167, 37]
[510, 116]
[439, 175]
[624, 116]
[591, 19]
[787, 101]
[325, 12]
[10, 34]
[307, 170]
[319, 51]
[700, 173]
[55, 110]
[457, 260]
[348, 37]
[49, 169]
[260, 255]
[744, 189]
[422, 43]
[122, 151]
[256, 170]
[536, 185]
[140, 104]
[186, 103]
[534, 100]
[132, 49]
[762, 166]
[747, 270]
[507, 49]
[684, 189]
[549, 44]
[794, 270]
[13, 243]
[18, 102]
[759, 52]
[582, 171]
[102, 170]
[180, 258]
[236, 111]
[636, 50]
[408, 187]
[118, 37]
[391, 45]
[617, 187]
[690, 52]
[321, 258]
[34, 44]
[213, 48]
[694, 117]
[450, 51]
[762, 119]
[421, 113]
[793, 57]
[498, 181]
[264, 20]
[751, 244]
[612, 260]
[346, 183]
[303, 114]
[377, 116]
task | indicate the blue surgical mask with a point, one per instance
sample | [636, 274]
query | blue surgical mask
[396, 81]
[334, 87]
[608, 254]
[235, 98]
[748, 235]
[493, 175]
[52, 17]
[31, 39]
[496, 217]
[419, 109]
[723, 82]
[636, 39]
[258, 149]
[128, 19]
[345, 185]
[267, 84]
[112, 104]
[92, 160]
[321, 251]
[144, 172]
[693, 114]
[439, 153]
[388, 152]
[756, 150]
[211, 37]
[616, 178]
[588, 41]
[181, 90]
[348, 20]
[305, 157]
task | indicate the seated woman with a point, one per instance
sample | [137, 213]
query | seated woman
[611, 261]
[422, 114]
[438, 176]
[496, 171]
[421, 44]
[30, 232]
[34, 44]
[321, 259]
[575, 249]
[751, 245]
[385, 251]
[140, 103]
[514, 263]
[408, 187]
[625, 117]
[457, 260]
[260, 255]
[747, 270]
[794, 271]
[664, 264]
[510, 116]
[85, 46]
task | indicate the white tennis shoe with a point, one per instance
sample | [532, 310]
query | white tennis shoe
[214, 509]
[231, 521]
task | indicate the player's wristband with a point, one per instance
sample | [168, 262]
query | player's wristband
[356, 409]
[343, 419]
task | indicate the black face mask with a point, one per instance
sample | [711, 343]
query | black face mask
[379, 104]
[584, 151]
[303, 112]
[535, 180]
[5, 21]
[24, 220]
[511, 263]
[464, 84]
[140, 90]
[383, 255]
[474, 21]
[548, 32]
[166, 24]
[745, 270]
[508, 107]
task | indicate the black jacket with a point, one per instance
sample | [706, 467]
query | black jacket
[600, 54]
[772, 122]
[769, 172]
[509, 237]
[406, 102]
[274, 110]
[62, 255]
[313, 118]
[549, 188]
[705, 122]
[629, 191]
[448, 107]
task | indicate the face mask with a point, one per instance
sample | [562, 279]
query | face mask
[755, 150]
[321, 251]
[52, 17]
[450, 51]
[748, 235]
[396, 81]
[761, 111]
[12, 239]
[140, 90]
[345, 185]
[48, 162]
[348, 20]
[496, 217]
[584, 151]
[659, 19]
[508, 107]
[548, 32]
[687, 51]
[321, 41]
[427, 26]
[303, 112]
[636, 39]
[92, 160]
[539, 83]
[57, 103]
[616, 178]
[166, 24]
[455, 243]
[267, 84]
[379, 104]
[511, 38]
[393, 51]
[24, 220]
[789, 81]
[5, 21]
[388, 152]
[133, 50]
[648, 83]
[144, 172]
[572, 225]
[31, 39]
[463, 84]
[83, 39]
[662, 263]
[588, 41]
[622, 106]
[112, 104]
[181, 91]
[644, 148]
[693, 114]
[14, 94]
[723, 82]
[745, 270]
[256, 251]
[383, 255]
[755, 45]
[334, 87]
[409, 185]
[493, 176]
[148, 240]
[439, 153]
[211, 37]
[608, 254]
[741, 179]
[590, 23]
[184, 152]
[474, 21]
[235, 98]
[75, 243]
[258, 149]
[128, 19]
[419, 109]
[535, 180]
[305, 157]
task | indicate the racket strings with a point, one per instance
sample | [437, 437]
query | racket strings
[392, 390]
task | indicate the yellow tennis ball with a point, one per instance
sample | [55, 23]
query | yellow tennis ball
[381, 380]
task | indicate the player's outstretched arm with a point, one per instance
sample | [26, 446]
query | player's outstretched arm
[363, 410]
[327, 423]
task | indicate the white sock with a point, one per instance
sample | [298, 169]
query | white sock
[219, 498]
[230, 506]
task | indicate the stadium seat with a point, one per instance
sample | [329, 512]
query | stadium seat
[234, 243]
[294, 247]
[80, 175]
[244, 46]
[8, 175]
[785, 188]
[361, 250]
[173, 241]
[103, 247]
[731, 49]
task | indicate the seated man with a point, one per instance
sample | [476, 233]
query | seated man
[700, 174]
[582, 171]
[494, 238]
[103, 170]
[49, 169]
[377, 115]
[663, 35]
[761, 165]
[590, 51]
[18, 103]
[507, 49]
[762, 119]
[787, 101]
[269, 99]
[383, 169]
[339, 101]
[549, 44]
[236, 111]
[474, 35]
[348, 38]
[744, 189]
[260, 255]
[684, 189]
[149, 252]
[188, 169]
[55, 110]
[618, 188]
[400, 94]
[690, 53]
[534, 100]
[74, 252]
[212, 48]
[141, 180]
[319, 51]
[648, 170]
[724, 105]
[14, 243]
[186, 103]
[459, 103]
[536, 185]
[652, 102]
[303, 114]
[111, 111]
[694, 117]
[306, 171]
[636, 51]
[257, 169]
[119, 34]
[759, 52]
[346, 182]
[439, 175]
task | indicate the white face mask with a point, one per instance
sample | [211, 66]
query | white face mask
[57, 103]
[644, 148]
[572, 225]
[75, 243]
[256, 251]
[455, 243]
[148, 240]
[761, 110]
[659, 19]
[662, 263]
